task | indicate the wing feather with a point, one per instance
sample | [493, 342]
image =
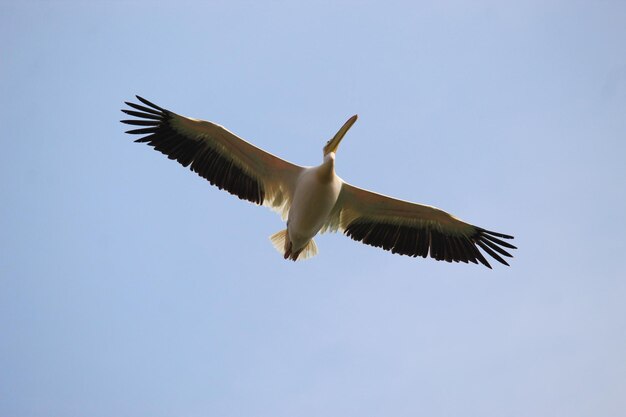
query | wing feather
[216, 154]
[413, 229]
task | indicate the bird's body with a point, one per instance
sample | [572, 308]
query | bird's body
[312, 199]
[316, 194]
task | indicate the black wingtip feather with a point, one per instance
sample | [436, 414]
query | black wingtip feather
[502, 235]
[143, 115]
[491, 253]
[144, 109]
[148, 103]
[142, 131]
[141, 122]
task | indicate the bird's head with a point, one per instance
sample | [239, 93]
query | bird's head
[332, 145]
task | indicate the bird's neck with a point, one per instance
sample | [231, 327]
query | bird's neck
[326, 171]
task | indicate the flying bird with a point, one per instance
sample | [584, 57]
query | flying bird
[312, 199]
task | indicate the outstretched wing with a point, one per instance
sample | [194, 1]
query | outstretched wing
[216, 154]
[413, 229]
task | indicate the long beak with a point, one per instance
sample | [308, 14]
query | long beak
[333, 144]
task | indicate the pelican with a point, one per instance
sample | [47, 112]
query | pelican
[312, 199]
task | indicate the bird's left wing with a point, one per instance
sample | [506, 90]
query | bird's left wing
[413, 229]
[217, 155]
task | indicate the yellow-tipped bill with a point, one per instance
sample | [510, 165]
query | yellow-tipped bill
[333, 144]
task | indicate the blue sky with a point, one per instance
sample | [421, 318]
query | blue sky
[130, 287]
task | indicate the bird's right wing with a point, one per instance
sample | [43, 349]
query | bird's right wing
[214, 153]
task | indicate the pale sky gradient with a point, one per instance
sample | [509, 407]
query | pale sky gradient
[130, 287]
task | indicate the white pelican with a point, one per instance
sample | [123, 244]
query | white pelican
[312, 199]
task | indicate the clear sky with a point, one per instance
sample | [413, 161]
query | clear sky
[130, 287]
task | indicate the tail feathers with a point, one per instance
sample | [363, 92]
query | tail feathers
[309, 251]
[280, 241]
